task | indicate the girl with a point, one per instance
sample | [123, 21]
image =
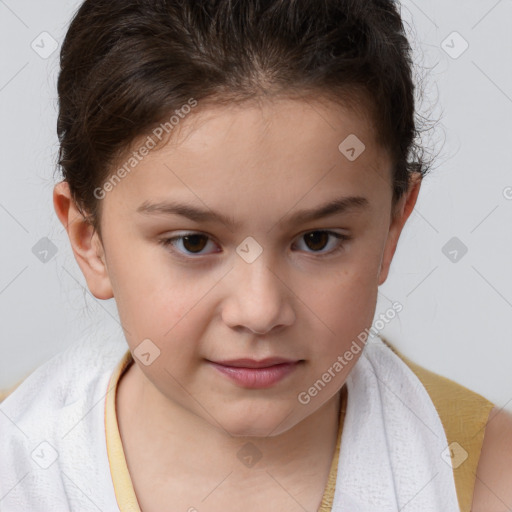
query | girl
[237, 176]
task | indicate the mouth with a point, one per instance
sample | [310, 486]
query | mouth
[251, 374]
[253, 363]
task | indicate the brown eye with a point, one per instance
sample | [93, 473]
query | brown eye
[194, 243]
[191, 244]
[316, 240]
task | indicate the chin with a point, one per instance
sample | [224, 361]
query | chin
[248, 425]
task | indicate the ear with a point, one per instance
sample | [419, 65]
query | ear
[85, 242]
[401, 213]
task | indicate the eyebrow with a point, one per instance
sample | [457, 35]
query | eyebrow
[334, 207]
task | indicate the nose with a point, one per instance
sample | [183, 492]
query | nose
[259, 299]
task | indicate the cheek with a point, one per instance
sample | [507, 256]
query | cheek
[160, 312]
[340, 310]
[151, 296]
[345, 296]
[167, 310]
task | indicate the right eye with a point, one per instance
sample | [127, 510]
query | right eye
[192, 241]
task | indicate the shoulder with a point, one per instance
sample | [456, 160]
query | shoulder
[52, 420]
[62, 385]
[493, 484]
[4, 393]
[467, 418]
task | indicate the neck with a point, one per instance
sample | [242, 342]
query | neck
[172, 434]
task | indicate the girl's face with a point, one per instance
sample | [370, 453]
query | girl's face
[268, 280]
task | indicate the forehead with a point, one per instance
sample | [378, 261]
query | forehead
[259, 154]
[302, 125]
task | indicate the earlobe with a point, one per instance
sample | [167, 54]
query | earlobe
[85, 242]
[403, 210]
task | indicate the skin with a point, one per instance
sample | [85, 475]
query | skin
[295, 300]
[493, 480]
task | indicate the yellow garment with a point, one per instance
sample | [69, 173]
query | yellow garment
[125, 494]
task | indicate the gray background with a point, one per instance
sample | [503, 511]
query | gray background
[456, 318]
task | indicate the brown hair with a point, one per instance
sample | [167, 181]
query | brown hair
[126, 65]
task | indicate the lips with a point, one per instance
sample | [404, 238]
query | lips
[253, 363]
[261, 375]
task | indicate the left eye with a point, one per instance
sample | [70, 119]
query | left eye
[194, 243]
[318, 238]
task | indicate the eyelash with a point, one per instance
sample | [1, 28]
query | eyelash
[168, 242]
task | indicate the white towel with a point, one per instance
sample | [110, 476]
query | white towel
[392, 443]
[53, 455]
[53, 450]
